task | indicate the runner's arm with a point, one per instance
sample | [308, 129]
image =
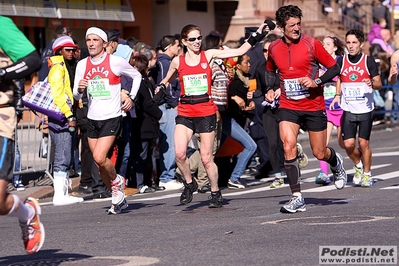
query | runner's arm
[22, 67]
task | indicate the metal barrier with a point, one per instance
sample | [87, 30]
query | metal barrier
[28, 140]
[389, 101]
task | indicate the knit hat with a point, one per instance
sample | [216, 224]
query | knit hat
[124, 51]
[63, 41]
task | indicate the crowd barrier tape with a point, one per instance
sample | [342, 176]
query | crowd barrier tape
[28, 140]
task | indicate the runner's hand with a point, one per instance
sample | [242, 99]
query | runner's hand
[307, 82]
[127, 104]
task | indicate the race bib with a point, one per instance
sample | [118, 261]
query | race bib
[329, 90]
[294, 90]
[353, 92]
[195, 84]
[99, 89]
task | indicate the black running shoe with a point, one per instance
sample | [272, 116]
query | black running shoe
[216, 200]
[187, 194]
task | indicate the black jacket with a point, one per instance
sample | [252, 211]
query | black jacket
[146, 126]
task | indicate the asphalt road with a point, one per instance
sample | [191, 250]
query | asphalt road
[249, 230]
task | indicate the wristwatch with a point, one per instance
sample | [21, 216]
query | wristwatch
[318, 81]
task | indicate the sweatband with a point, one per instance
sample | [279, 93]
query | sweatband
[97, 31]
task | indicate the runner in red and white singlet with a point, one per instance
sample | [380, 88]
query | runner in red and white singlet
[196, 111]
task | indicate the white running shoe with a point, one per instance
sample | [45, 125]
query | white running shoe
[340, 177]
[296, 204]
[118, 190]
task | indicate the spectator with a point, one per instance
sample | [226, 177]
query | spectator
[381, 11]
[48, 51]
[270, 122]
[235, 118]
[357, 19]
[62, 71]
[375, 30]
[145, 128]
[124, 141]
[393, 81]
[168, 49]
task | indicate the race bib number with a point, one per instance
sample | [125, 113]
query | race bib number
[353, 92]
[195, 84]
[99, 89]
[294, 90]
[329, 90]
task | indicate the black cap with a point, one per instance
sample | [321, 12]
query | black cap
[216, 33]
[113, 35]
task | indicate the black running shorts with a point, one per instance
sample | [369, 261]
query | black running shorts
[203, 124]
[313, 121]
[350, 123]
[104, 128]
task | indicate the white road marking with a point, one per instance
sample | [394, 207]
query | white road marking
[364, 220]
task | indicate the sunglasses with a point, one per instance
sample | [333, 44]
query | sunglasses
[265, 50]
[70, 50]
[199, 38]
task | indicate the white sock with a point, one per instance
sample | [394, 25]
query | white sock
[359, 165]
[368, 173]
[298, 194]
[20, 210]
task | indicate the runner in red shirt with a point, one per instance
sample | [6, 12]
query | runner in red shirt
[296, 57]
[196, 111]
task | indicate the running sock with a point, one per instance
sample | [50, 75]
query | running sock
[359, 165]
[324, 167]
[292, 170]
[20, 210]
[332, 161]
[298, 194]
[368, 173]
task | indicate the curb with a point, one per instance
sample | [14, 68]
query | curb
[48, 191]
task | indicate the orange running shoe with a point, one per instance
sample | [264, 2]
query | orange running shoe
[33, 230]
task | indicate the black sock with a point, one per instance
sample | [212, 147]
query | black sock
[332, 161]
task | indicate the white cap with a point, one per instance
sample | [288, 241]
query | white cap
[97, 31]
